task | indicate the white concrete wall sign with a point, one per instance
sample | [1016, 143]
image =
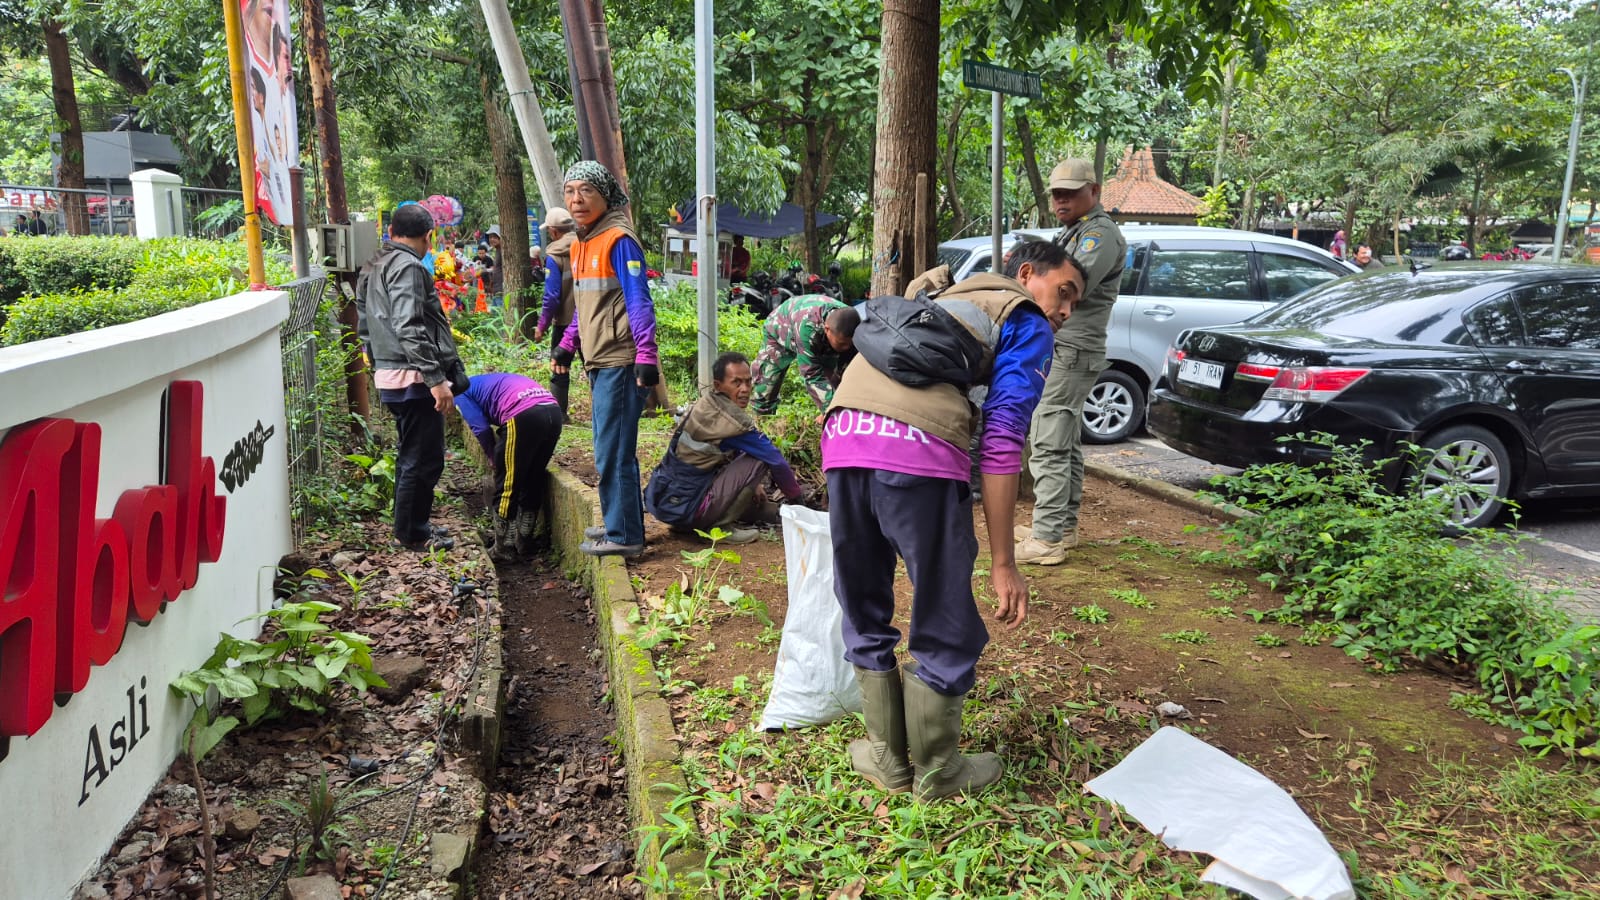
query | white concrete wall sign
[144, 505]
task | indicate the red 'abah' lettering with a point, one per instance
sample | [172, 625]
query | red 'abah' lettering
[71, 580]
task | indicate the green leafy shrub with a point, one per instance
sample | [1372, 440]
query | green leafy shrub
[54, 265]
[1380, 566]
[856, 279]
[678, 334]
[297, 669]
[52, 315]
[150, 278]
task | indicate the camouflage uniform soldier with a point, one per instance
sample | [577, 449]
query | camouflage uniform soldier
[814, 329]
[1095, 241]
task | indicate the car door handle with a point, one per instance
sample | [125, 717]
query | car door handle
[1523, 367]
[1160, 312]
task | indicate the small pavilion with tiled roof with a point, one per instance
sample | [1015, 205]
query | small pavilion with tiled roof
[1137, 195]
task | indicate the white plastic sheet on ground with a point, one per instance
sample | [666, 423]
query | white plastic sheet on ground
[812, 684]
[1199, 799]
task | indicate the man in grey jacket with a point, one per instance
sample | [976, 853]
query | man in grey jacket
[413, 355]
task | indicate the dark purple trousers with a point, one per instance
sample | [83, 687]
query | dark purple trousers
[877, 515]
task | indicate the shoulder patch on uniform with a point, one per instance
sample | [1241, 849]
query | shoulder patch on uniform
[1089, 242]
[635, 267]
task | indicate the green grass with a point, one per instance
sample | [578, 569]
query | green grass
[788, 818]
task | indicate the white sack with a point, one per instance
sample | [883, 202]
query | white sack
[812, 684]
[1200, 799]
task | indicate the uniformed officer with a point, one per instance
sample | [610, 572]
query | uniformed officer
[1095, 241]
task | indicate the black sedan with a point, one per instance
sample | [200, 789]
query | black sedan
[1494, 366]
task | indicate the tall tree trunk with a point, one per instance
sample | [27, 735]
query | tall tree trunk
[65, 96]
[324, 102]
[952, 149]
[816, 174]
[1030, 164]
[1474, 219]
[511, 196]
[1222, 122]
[907, 142]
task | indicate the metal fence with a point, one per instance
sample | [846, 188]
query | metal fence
[298, 338]
[109, 212]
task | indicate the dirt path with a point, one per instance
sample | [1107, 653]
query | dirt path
[558, 810]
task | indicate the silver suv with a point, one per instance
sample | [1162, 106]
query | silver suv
[1175, 277]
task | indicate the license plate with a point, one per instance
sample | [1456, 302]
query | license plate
[1199, 372]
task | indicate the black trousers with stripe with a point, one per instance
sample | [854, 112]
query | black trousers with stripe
[523, 447]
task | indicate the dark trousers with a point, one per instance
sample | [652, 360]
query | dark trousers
[560, 382]
[732, 496]
[617, 400]
[875, 516]
[522, 451]
[418, 463]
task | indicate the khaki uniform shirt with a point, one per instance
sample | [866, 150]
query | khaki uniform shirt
[1097, 243]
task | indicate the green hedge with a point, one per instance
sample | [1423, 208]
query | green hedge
[77, 284]
[54, 265]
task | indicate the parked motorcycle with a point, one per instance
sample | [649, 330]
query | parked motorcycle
[755, 294]
[829, 286]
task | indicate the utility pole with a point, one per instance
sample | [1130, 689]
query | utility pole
[705, 152]
[595, 91]
[524, 102]
[314, 32]
[1579, 88]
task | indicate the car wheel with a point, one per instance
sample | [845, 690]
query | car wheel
[1472, 468]
[1115, 408]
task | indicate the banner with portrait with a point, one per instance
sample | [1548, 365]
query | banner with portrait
[269, 77]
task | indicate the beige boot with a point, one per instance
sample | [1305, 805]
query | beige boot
[933, 731]
[1034, 552]
[882, 756]
[1069, 538]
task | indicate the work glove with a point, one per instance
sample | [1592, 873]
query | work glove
[561, 356]
[648, 374]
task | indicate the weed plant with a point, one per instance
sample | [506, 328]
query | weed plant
[1403, 586]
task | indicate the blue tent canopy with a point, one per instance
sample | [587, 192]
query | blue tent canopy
[789, 219]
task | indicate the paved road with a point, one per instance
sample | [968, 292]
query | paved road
[1565, 550]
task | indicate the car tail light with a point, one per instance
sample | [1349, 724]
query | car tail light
[1174, 356]
[1311, 384]
[1260, 373]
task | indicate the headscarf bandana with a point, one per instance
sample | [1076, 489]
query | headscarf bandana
[593, 173]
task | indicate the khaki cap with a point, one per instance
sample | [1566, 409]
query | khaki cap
[558, 218]
[1071, 174]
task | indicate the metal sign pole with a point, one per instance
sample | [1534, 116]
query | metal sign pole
[999, 81]
[996, 174]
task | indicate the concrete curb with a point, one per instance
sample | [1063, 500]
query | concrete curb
[644, 720]
[1161, 490]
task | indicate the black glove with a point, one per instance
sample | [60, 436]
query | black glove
[648, 374]
[561, 356]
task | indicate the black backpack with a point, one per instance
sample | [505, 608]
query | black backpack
[919, 341]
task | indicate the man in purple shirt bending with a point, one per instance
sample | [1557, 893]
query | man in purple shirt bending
[896, 458]
[517, 422]
[716, 468]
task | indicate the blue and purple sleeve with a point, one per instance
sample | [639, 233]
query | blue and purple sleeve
[552, 292]
[476, 421]
[761, 447]
[1020, 364]
[627, 260]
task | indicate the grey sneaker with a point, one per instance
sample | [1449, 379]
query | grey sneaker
[608, 548]
[741, 536]
[595, 532]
